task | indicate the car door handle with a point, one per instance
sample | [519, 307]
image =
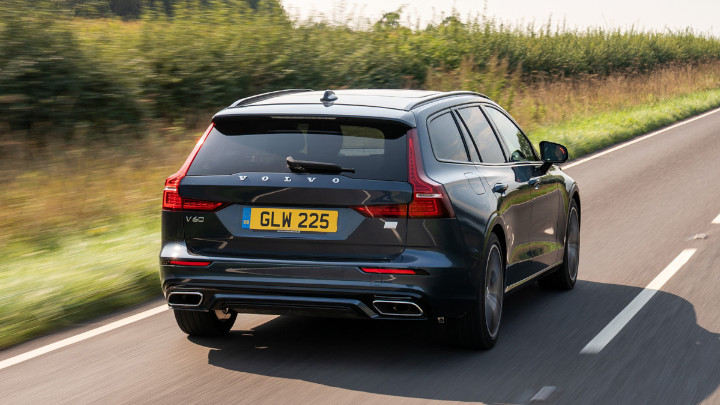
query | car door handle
[499, 188]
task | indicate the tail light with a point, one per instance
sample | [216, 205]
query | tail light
[171, 197]
[429, 197]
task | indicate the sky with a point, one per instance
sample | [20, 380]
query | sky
[703, 16]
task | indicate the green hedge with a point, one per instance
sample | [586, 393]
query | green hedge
[63, 75]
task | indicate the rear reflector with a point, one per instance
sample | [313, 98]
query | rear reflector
[189, 263]
[198, 205]
[388, 271]
[383, 211]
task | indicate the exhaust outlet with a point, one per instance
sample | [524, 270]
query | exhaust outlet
[186, 299]
[398, 308]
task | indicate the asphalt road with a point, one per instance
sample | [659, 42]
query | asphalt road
[642, 206]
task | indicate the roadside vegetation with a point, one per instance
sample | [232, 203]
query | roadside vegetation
[103, 78]
[95, 113]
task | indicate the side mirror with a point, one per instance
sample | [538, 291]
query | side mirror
[551, 152]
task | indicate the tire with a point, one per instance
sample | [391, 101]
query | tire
[198, 323]
[479, 327]
[565, 276]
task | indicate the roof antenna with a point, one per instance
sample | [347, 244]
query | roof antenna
[328, 98]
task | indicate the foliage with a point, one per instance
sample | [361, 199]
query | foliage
[68, 76]
[85, 8]
[126, 8]
[49, 87]
[80, 230]
[132, 9]
[84, 277]
[583, 135]
[497, 81]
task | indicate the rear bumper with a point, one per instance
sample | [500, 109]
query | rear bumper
[276, 304]
[333, 289]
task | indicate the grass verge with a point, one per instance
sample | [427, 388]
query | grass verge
[588, 134]
[85, 276]
[58, 273]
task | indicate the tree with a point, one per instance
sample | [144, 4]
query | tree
[126, 8]
[84, 8]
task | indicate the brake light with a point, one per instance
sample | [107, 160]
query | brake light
[388, 271]
[171, 196]
[429, 197]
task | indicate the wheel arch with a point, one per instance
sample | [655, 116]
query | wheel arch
[497, 226]
[500, 233]
[575, 196]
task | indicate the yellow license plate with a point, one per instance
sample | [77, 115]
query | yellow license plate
[284, 219]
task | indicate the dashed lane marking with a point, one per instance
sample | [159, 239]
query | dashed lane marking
[716, 220]
[543, 395]
[615, 326]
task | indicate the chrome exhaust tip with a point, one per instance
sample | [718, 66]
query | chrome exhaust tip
[184, 299]
[397, 308]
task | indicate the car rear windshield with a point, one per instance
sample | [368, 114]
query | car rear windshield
[375, 149]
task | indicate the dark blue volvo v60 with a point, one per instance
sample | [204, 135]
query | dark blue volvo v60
[376, 204]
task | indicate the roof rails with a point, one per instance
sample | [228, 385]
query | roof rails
[443, 95]
[264, 96]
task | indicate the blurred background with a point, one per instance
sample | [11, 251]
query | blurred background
[101, 100]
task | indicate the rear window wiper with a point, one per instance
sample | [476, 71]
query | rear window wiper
[306, 166]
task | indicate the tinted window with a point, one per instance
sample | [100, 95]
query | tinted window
[375, 149]
[519, 147]
[483, 135]
[447, 143]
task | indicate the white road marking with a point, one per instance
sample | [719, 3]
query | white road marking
[636, 140]
[716, 220]
[615, 326]
[544, 394]
[79, 338]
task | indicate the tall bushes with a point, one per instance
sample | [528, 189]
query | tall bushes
[49, 87]
[63, 75]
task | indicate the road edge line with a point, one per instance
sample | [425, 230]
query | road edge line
[618, 323]
[80, 337]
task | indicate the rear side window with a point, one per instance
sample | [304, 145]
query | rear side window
[483, 135]
[519, 147]
[446, 140]
[375, 149]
